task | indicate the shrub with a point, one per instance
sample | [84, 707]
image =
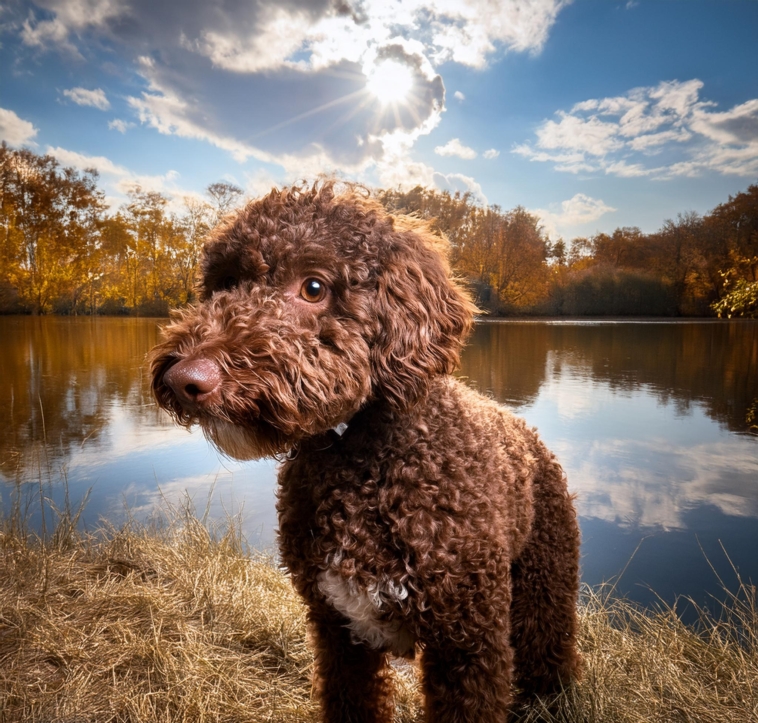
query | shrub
[605, 291]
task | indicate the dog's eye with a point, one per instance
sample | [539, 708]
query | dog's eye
[313, 290]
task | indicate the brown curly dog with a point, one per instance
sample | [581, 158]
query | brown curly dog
[413, 512]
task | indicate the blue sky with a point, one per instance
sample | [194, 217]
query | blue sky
[593, 113]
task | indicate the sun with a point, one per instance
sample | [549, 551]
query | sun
[390, 82]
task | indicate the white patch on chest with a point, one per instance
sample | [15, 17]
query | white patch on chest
[363, 608]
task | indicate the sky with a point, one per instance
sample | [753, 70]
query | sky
[594, 114]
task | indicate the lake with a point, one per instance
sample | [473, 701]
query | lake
[647, 418]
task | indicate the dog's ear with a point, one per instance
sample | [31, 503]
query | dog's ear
[423, 317]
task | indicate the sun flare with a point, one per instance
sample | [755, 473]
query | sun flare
[390, 81]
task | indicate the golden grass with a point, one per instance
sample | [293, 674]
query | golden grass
[643, 665]
[173, 623]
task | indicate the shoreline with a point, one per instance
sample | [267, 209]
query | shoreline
[608, 320]
[483, 318]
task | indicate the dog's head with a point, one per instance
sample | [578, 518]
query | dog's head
[313, 303]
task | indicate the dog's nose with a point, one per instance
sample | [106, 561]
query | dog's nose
[195, 381]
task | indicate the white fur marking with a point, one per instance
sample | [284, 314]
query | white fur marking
[362, 607]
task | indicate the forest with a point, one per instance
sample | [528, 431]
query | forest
[63, 251]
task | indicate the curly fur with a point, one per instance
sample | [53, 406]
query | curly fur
[438, 521]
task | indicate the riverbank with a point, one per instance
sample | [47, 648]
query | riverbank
[173, 623]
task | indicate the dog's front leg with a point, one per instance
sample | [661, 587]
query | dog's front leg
[352, 680]
[468, 684]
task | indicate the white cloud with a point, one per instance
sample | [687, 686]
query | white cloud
[95, 98]
[261, 182]
[169, 114]
[14, 130]
[457, 182]
[578, 210]
[74, 15]
[459, 96]
[585, 135]
[733, 127]
[464, 31]
[618, 135]
[455, 148]
[395, 168]
[651, 141]
[581, 208]
[246, 37]
[640, 496]
[467, 31]
[47, 34]
[83, 161]
[403, 172]
[200, 76]
[362, 131]
[118, 180]
[677, 98]
[629, 170]
[69, 17]
[278, 34]
[491, 153]
[117, 124]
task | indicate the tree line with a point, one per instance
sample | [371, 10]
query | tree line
[692, 266]
[63, 251]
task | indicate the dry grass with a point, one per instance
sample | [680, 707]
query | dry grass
[174, 623]
[643, 665]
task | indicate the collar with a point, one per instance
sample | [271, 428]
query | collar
[290, 454]
[340, 429]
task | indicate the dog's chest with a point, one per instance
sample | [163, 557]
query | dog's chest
[335, 531]
[366, 607]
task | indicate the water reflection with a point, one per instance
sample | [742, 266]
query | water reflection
[648, 420]
[63, 378]
[79, 409]
[630, 410]
[710, 363]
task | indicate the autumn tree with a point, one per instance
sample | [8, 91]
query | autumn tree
[50, 220]
[558, 252]
[195, 223]
[119, 286]
[678, 258]
[737, 222]
[739, 299]
[521, 277]
[155, 233]
[625, 248]
[502, 252]
[581, 253]
[225, 197]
